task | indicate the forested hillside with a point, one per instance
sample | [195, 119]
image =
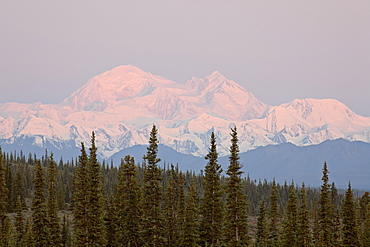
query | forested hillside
[44, 202]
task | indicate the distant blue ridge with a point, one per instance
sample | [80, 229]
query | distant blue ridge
[347, 161]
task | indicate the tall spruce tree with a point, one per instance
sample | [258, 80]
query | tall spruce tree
[19, 224]
[52, 208]
[29, 239]
[3, 200]
[66, 239]
[171, 210]
[152, 231]
[180, 185]
[212, 204]
[10, 189]
[290, 224]
[128, 199]
[236, 231]
[262, 227]
[274, 216]
[349, 229]
[191, 234]
[40, 226]
[95, 191]
[80, 199]
[174, 208]
[112, 224]
[365, 239]
[325, 214]
[304, 229]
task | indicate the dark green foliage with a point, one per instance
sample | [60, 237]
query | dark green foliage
[19, 190]
[262, 227]
[152, 225]
[8, 238]
[52, 208]
[40, 226]
[363, 202]
[325, 229]
[304, 229]
[349, 230]
[66, 239]
[89, 199]
[212, 204]
[236, 231]
[80, 198]
[191, 235]
[170, 213]
[19, 224]
[10, 189]
[174, 209]
[274, 216]
[128, 199]
[180, 185]
[290, 224]
[29, 239]
[366, 228]
[95, 200]
[337, 228]
[112, 224]
[3, 201]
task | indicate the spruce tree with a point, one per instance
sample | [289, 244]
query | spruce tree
[3, 200]
[212, 204]
[170, 214]
[52, 208]
[349, 230]
[9, 235]
[304, 229]
[66, 239]
[10, 189]
[95, 192]
[290, 225]
[19, 224]
[365, 240]
[337, 225]
[29, 239]
[325, 214]
[19, 189]
[180, 185]
[128, 201]
[80, 199]
[236, 231]
[40, 226]
[112, 224]
[191, 234]
[274, 216]
[262, 227]
[152, 231]
[174, 208]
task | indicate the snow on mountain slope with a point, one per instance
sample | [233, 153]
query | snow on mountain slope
[311, 121]
[226, 98]
[121, 105]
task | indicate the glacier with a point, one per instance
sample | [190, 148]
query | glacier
[122, 104]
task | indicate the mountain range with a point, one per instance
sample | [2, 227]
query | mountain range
[122, 104]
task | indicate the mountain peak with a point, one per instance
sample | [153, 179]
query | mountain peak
[124, 71]
[216, 76]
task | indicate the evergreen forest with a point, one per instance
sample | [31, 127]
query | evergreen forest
[84, 202]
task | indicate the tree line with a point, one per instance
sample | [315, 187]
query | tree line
[84, 202]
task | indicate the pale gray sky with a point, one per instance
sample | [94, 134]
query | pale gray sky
[278, 50]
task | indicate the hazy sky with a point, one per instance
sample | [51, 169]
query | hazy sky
[278, 50]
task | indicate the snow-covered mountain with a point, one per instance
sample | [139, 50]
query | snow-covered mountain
[121, 105]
